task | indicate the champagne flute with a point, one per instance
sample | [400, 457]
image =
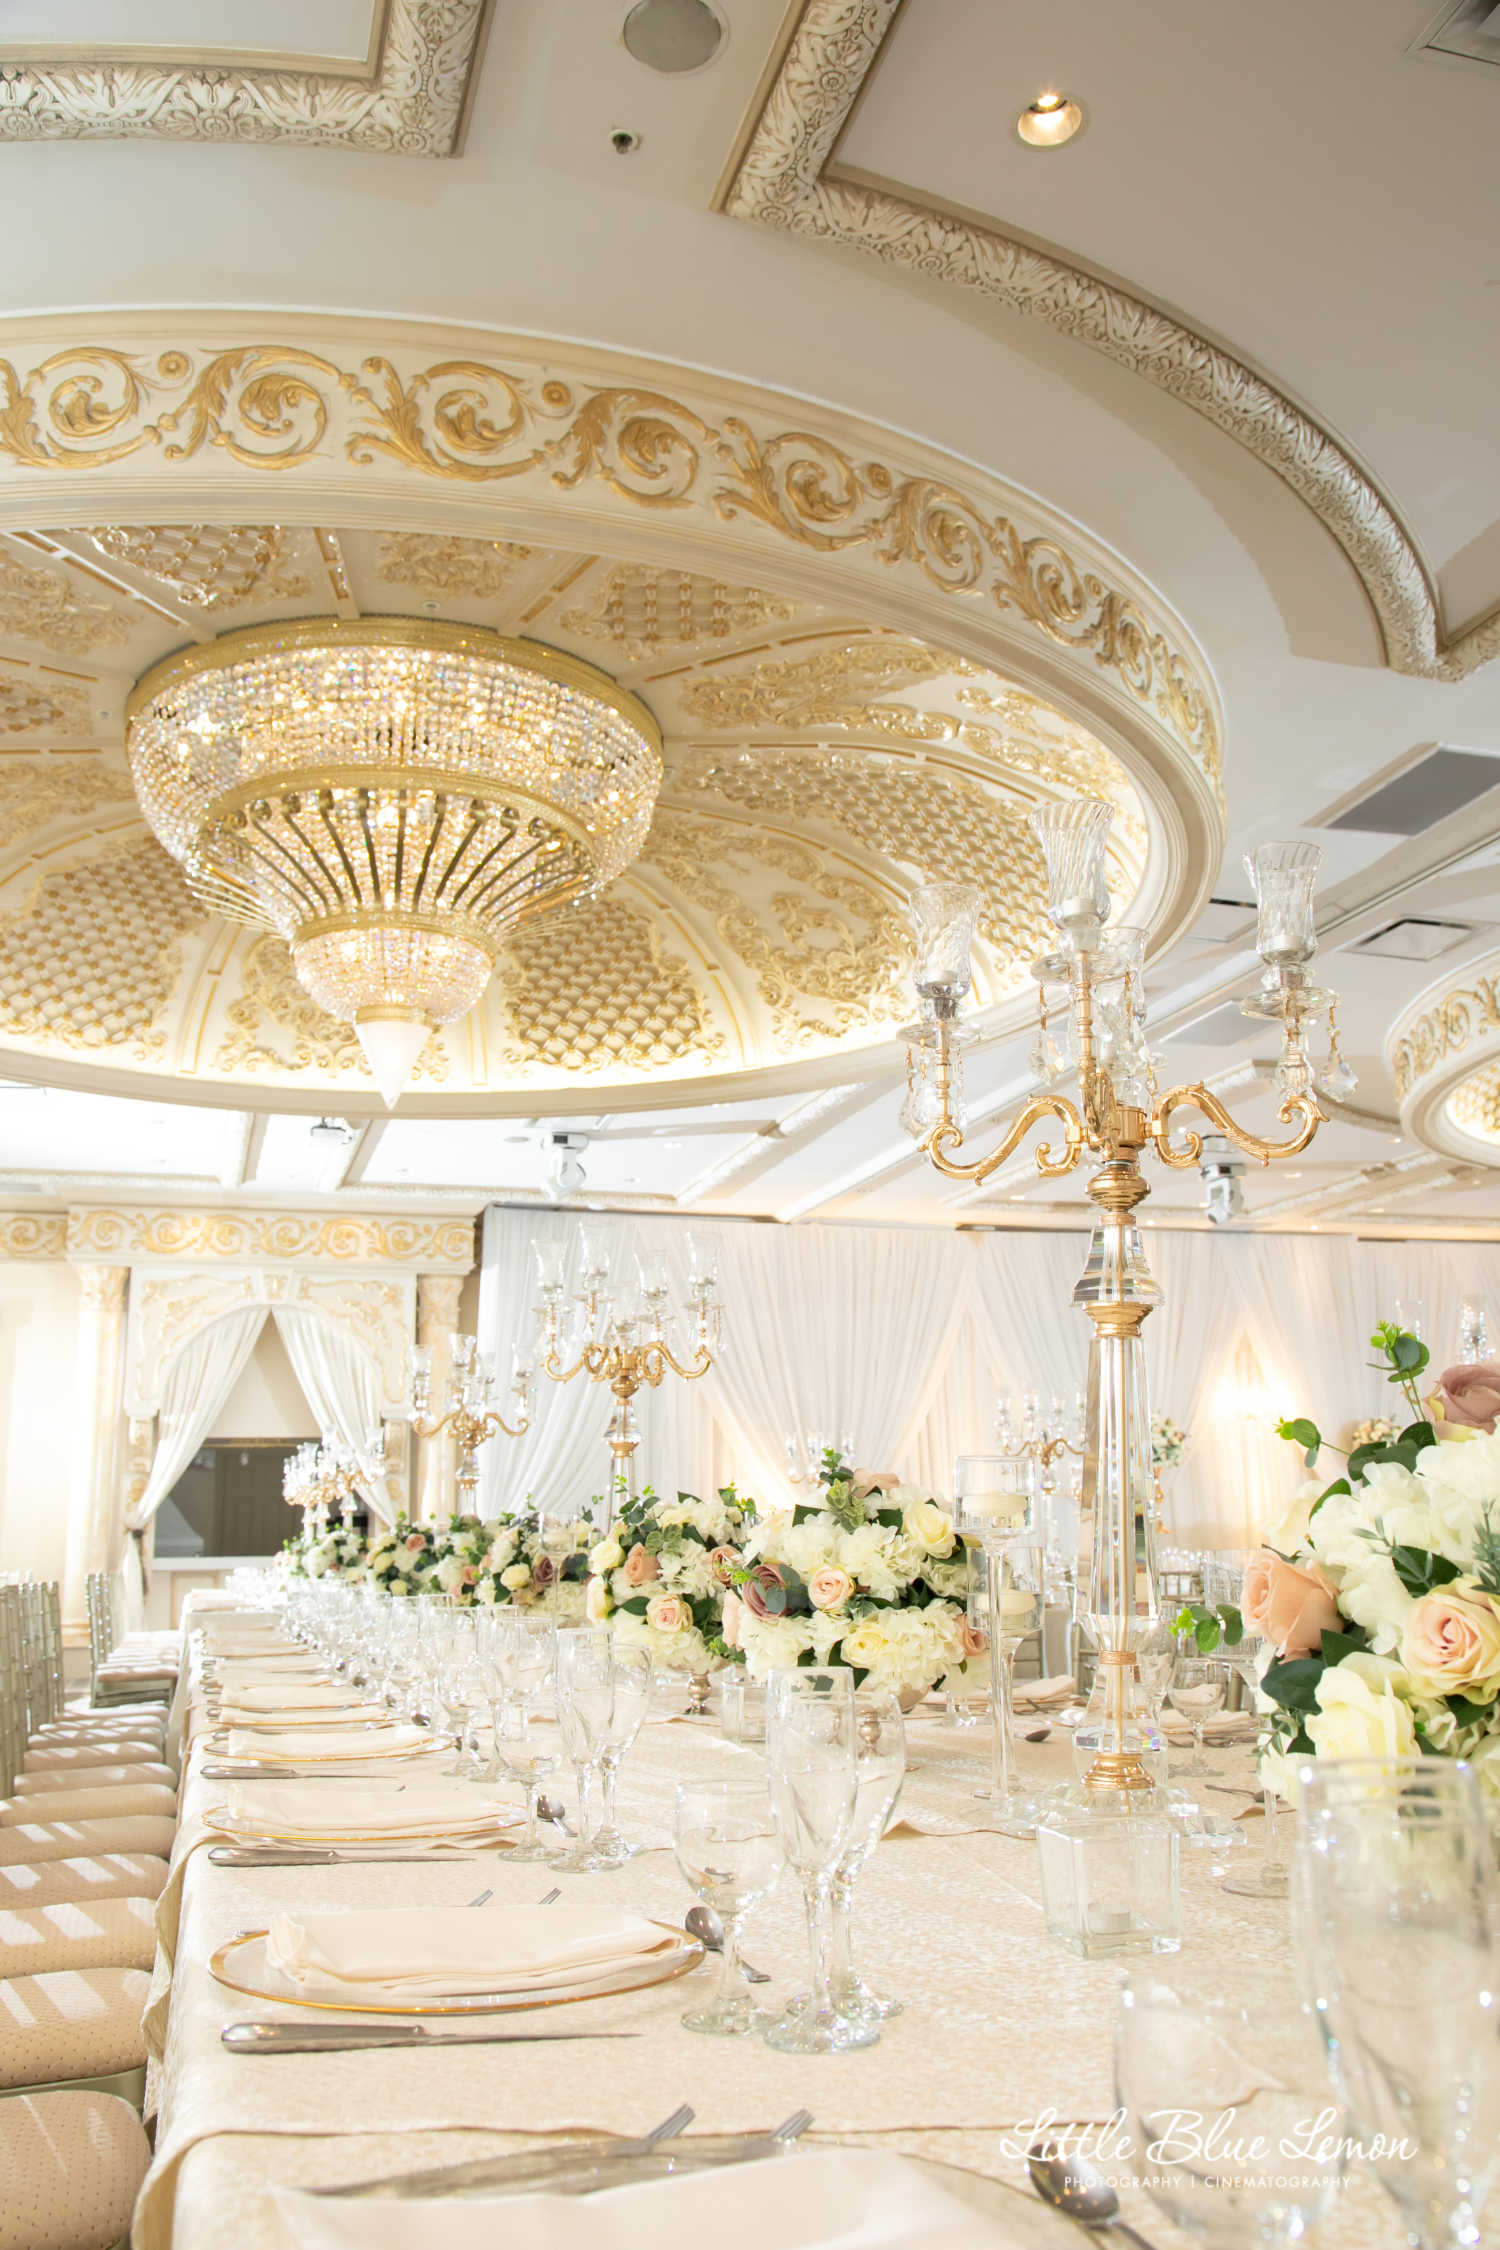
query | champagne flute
[1005, 1604]
[1196, 1692]
[585, 1699]
[630, 1670]
[879, 1770]
[730, 1853]
[810, 1763]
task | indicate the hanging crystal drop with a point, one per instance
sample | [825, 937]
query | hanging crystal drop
[1292, 1074]
[1337, 1079]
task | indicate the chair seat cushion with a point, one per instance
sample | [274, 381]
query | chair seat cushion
[92, 1804]
[54, 1882]
[106, 1715]
[97, 1725]
[106, 1933]
[71, 2023]
[72, 2165]
[128, 1750]
[80, 1839]
[68, 1778]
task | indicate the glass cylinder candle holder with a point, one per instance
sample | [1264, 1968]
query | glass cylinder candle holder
[1110, 1886]
[993, 1498]
[1074, 836]
[742, 1705]
[1283, 876]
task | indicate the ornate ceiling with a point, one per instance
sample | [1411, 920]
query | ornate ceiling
[817, 766]
[1444, 1054]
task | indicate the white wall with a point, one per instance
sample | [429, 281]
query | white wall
[39, 1302]
[267, 1401]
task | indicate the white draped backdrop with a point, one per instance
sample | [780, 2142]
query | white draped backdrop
[905, 1338]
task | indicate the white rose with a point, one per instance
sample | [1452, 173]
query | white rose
[597, 1604]
[519, 1574]
[607, 1556]
[930, 1526]
[1360, 1713]
[1290, 1530]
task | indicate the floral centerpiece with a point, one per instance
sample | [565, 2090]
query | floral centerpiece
[663, 1572]
[512, 1565]
[1167, 1441]
[872, 1574]
[1379, 1593]
[402, 1558]
[338, 1553]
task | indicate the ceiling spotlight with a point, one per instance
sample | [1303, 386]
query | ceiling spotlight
[1050, 120]
[673, 35]
[332, 1129]
[1221, 1169]
[565, 1173]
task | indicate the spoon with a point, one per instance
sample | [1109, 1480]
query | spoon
[549, 1809]
[1080, 2191]
[702, 1923]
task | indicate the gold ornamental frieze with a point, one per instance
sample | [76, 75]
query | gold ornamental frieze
[188, 1237]
[1444, 1056]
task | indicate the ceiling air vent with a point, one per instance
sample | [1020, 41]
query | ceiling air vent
[1468, 30]
[1441, 783]
[1414, 938]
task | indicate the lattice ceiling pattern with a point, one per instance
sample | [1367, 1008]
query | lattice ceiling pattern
[817, 768]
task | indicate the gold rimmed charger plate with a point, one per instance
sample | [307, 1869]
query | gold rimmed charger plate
[238, 1960]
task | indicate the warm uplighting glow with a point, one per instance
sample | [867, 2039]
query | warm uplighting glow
[1049, 120]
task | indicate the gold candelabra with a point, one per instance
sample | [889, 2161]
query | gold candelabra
[626, 1350]
[470, 1406]
[1092, 985]
[324, 1474]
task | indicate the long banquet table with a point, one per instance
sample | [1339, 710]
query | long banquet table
[1001, 2028]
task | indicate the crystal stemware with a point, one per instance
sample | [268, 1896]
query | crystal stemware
[811, 1769]
[880, 1769]
[631, 1698]
[1395, 1908]
[585, 1699]
[1197, 1690]
[729, 1851]
[1005, 1605]
[1226, 2109]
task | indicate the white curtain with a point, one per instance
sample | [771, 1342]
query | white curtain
[198, 1380]
[339, 1382]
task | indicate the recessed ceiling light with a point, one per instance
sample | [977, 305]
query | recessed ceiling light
[1050, 120]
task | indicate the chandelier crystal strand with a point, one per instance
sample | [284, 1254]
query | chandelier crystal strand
[1094, 982]
[392, 795]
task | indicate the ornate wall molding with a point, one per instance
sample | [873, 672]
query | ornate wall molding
[786, 179]
[407, 100]
[1444, 1055]
[535, 433]
[33, 1234]
[257, 1238]
[170, 1304]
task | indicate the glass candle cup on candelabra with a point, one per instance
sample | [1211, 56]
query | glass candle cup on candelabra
[729, 1850]
[813, 1786]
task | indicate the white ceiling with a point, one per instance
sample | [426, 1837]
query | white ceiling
[1288, 178]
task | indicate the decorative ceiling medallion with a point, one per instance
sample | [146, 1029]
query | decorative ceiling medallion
[806, 691]
[211, 566]
[407, 101]
[473, 422]
[787, 178]
[1444, 1054]
[34, 794]
[440, 565]
[641, 611]
[391, 795]
[50, 608]
[27, 705]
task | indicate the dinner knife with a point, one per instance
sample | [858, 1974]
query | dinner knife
[258, 2038]
[259, 1855]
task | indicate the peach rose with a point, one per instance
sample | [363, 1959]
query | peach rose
[415, 1542]
[729, 1629]
[829, 1587]
[1466, 1398]
[972, 1641]
[867, 1481]
[640, 1568]
[667, 1613]
[1292, 1604]
[724, 1562]
[1451, 1645]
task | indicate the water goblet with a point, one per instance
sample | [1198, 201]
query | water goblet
[879, 1769]
[1196, 1692]
[1230, 2128]
[811, 1769]
[729, 1851]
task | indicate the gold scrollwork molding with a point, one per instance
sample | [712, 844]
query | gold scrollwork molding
[543, 432]
[1444, 1056]
[786, 178]
[407, 100]
[283, 1237]
[33, 1234]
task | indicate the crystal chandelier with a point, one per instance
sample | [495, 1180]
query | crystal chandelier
[391, 794]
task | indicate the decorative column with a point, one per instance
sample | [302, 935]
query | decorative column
[437, 1325]
[94, 1484]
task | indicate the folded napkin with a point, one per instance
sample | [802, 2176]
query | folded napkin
[1225, 1726]
[855, 2200]
[294, 1695]
[360, 1808]
[1037, 1695]
[415, 1952]
[235, 1711]
[289, 1744]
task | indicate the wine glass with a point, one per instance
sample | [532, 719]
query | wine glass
[1395, 1907]
[1197, 1690]
[631, 1698]
[730, 1853]
[1155, 1658]
[585, 1699]
[1226, 2109]
[459, 1688]
[811, 1769]
[879, 1770]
